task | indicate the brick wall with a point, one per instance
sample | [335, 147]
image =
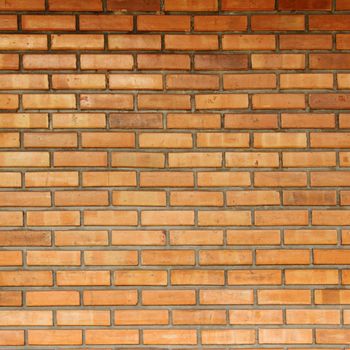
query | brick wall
[174, 174]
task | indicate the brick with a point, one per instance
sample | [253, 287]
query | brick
[25, 238]
[285, 336]
[117, 258]
[167, 218]
[253, 237]
[278, 61]
[135, 82]
[140, 278]
[308, 120]
[221, 101]
[196, 237]
[197, 277]
[226, 296]
[52, 298]
[305, 42]
[329, 101]
[139, 198]
[77, 41]
[109, 178]
[110, 217]
[110, 297]
[342, 5]
[81, 198]
[167, 257]
[225, 257]
[308, 5]
[51, 179]
[22, 5]
[48, 22]
[226, 336]
[224, 218]
[199, 317]
[25, 199]
[321, 140]
[192, 82]
[136, 120]
[106, 101]
[223, 179]
[10, 179]
[221, 62]
[330, 61]
[136, 5]
[310, 237]
[112, 336]
[55, 337]
[330, 217]
[191, 42]
[56, 258]
[165, 140]
[9, 140]
[144, 237]
[78, 81]
[248, 42]
[278, 101]
[10, 298]
[80, 159]
[309, 198]
[78, 120]
[252, 317]
[311, 277]
[168, 297]
[23, 120]
[332, 336]
[306, 81]
[141, 317]
[81, 238]
[49, 101]
[278, 22]
[138, 160]
[308, 159]
[343, 81]
[313, 316]
[332, 296]
[26, 278]
[166, 179]
[250, 5]
[10, 258]
[163, 62]
[75, 5]
[83, 278]
[9, 61]
[328, 178]
[249, 81]
[193, 121]
[23, 42]
[238, 198]
[134, 42]
[220, 23]
[197, 160]
[252, 159]
[191, 5]
[331, 257]
[171, 337]
[280, 140]
[223, 140]
[50, 140]
[110, 140]
[329, 22]
[344, 158]
[9, 102]
[49, 61]
[280, 179]
[24, 82]
[282, 257]
[11, 219]
[11, 337]
[53, 218]
[254, 277]
[163, 23]
[188, 198]
[105, 22]
[278, 218]
[283, 296]
[24, 159]
[106, 62]
[83, 318]
[164, 101]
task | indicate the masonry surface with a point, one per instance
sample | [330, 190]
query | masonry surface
[174, 174]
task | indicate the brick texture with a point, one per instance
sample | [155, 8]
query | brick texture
[174, 174]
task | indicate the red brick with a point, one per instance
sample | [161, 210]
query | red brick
[163, 62]
[306, 5]
[278, 22]
[329, 22]
[135, 5]
[305, 42]
[163, 23]
[105, 22]
[75, 5]
[248, 5]
[221, 62]
[191, 5]
[278, 61]
[22, 5]
[106, 62]
[220, 23]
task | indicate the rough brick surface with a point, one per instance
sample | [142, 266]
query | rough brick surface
[174, 174]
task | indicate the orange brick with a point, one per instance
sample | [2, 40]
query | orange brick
[197, 277]
[248, 42]
[11, 218]
[106, 62]
[163, 23]
[280, 140]
[278, 22]
[253, 237]
[52, 298]
[49, 61]
[308, 121]
[165, 140]
[112, 336]
[77, 42]
[115, 257]
[81, 198]
[311, 277]
[285, 336]
[136, 82]
[24, 82]
[224, 218]
[196, 237]
[24, 120]
[11, 258]
[330, 61]
[144, 237]
[308, 159]
[140, 278]
[75, 5]
[41, 101]
[313, 316]
[309, 198]
[55, 337]
[332, 296]
[252, 160]
[163, 62]
[168, 297]
[187, 198]
[248, 5]
[11, 338]
[26, 318]
[191, 42]
[139, 198]
[26, 278]
[83, 278]
[105, 22]
[22, 5]
[306, 81]
[10, 179]
[234, 198]
[296, 5]
[53, 218]
[141, 317]
[283, 296]
[221, 101]
[50, 140]
[167, 218]
[51, 179]
[109, 178]
[278, 61]
[199, 317]
[110, 217]
[282, 217]
[110, 297]
[78, 81]
[195, 160]
[106, 101]
[80, 159]
[254, 277]
[8, 102]
[166, 179]
[191, 5]
[223, 179]
[227, 336]
[221, 62]
[9, 140]
[83, 318]
[23, 42]
[220, 23]
[322, 140]
[48, 22]
[134, 42]
[252, 317]
[330, 217]
[136, 5]
[329, 22]
[162, 101]
[81, 238]
[223, 140]
[278, 101]
[169, 337]
[55, 258]
[226, 296]
[193, 121]
[136, 120]
[282, 257]
[280, 179]
[305, 42]
[138, 160]
[192, 82]
[225, 257]
[10, 298]
[249, 82]
[310, 237]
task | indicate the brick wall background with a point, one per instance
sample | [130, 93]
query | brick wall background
[175, 174]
